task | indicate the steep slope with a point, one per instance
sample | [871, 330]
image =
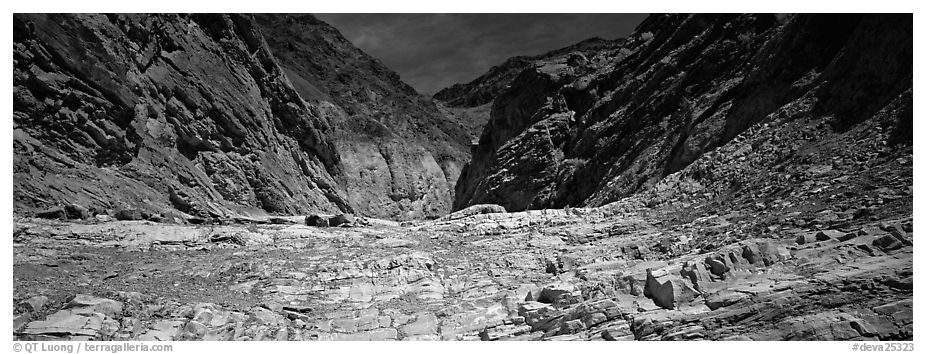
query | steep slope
[219, 116]
[460, 100]
[473, 119]
[401, 156]
[154, 113]
[470, 104]
[572, 133]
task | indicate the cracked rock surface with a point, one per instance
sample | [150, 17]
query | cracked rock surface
[610, 273]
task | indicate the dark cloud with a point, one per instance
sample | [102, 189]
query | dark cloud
[433, 51]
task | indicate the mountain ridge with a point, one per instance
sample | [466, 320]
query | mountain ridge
[485, 87]
[591, 132]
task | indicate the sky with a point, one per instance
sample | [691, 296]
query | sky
[433, 51]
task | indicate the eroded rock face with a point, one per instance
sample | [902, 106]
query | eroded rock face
[400, 155]
[220, 115]
[163, 112]
[485, 88]
[687, 259]
[570, 132]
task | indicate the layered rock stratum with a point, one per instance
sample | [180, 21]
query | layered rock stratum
[163, 113]
[577, 130]
[171, 116]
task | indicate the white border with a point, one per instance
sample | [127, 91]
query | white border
[468, 6]
[511, 6]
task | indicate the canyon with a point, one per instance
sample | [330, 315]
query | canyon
[257, 177]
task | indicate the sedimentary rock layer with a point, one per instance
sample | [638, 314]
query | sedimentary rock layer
[163, 112]
[570, 132]
[196, 115]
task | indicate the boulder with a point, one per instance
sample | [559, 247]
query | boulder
[887, 243]
[76, 212]
[594, 319]
[280, 221]
[904, 283]
[827, 235]
[53, 213]
[128, 214]
[666, 289]
[699, 273]
[67, 323]
[764, 253]
[902, 237]
[265, 316]
[618, 333]
[557, 292]
[20, 321]
[82, 303]
[634, 251]
[718, 266]
[203, 312]
[847, 236]
[36, 303]
[319, 220]
[804, 239]
[162, 330]
[316, 220]
[571, 327]
[342, 220]
[194, 330]
[109, 327]
[529, 308]
[192, 220]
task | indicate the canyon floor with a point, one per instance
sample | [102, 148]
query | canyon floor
[619, 272]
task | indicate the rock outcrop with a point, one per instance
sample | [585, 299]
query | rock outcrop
[470, 104]
[159, 113]
[486, 87]
[569, 132]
